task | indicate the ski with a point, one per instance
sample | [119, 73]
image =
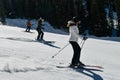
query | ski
[94, 66]
[43, 41]
[50, 41]
[86, 66]
[81, 68]
[28, 31]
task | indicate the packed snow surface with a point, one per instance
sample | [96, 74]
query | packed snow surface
[24, 58]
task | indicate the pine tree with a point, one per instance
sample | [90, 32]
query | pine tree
[110, 16]
[117, 6]
[2, 12]
[98, 18]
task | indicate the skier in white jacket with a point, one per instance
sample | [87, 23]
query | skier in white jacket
[74, 36]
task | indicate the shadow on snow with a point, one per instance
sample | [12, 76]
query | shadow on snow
[30, 40]
[90, 73]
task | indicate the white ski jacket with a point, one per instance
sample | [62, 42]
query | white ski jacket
[74, 33]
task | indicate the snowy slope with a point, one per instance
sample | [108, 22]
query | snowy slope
[23, 58]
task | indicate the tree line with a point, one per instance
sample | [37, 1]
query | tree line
[97, 16]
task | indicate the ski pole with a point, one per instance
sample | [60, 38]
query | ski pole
[82, 44]
[60, 50]
[83, 41]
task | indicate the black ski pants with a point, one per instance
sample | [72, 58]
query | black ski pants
[28, 28]
[40, 35]
[76, 54]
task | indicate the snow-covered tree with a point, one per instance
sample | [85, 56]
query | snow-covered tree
[117, 6]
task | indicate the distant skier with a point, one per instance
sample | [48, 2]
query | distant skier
[28, 25]
[74, 35]
[39, 29]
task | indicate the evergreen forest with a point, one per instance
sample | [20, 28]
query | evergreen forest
[98, 17]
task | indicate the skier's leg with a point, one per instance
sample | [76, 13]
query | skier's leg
[26, 29]
[42, 34]
[38, 37]
[29, 29]
[76, 54]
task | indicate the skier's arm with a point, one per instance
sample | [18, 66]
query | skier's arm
[74, 32]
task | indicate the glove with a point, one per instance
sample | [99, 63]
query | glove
[85, 38]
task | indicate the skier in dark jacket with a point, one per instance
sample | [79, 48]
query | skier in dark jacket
[39, 29]
[74, 36]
